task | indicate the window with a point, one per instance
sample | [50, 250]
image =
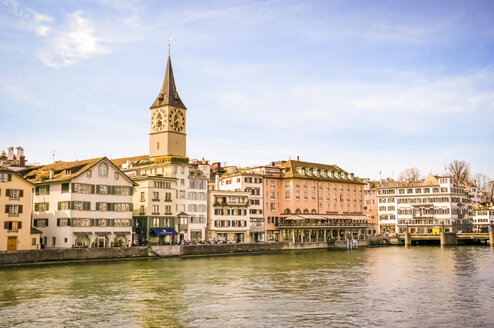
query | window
[156, 196]
[88, 173]
[143, 198]
[40, 222]
[33, 242]
[271, 206]
[54, 241]
[12, 225]
[287, 195]
[42, 190]
[41, 207]
[5, 177]
[63, 222]
[116, 176]
[156, 209]
[65, 187]
[14, 193]
[103, 169]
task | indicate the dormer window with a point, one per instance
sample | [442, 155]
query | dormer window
[323, 173]
[103, 170]
[88, 173]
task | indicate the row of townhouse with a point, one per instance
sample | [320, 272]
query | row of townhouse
[164, 198]
[432, 205]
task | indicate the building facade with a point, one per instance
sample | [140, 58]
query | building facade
[370, 201]
[432, 205]
[153, 210]
[82, 204]
[252, 184]
[15, 216]
[228, 219]
[483, 219]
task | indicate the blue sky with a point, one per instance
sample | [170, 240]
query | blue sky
[369, 85]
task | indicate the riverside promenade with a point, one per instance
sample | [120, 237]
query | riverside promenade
[119, 253]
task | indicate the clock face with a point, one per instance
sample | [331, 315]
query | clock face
[176, 120]
[158, 120]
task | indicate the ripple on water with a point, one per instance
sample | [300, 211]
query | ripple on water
[381, 287]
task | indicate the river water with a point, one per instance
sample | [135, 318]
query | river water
[373, 287]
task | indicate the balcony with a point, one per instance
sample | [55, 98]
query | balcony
[256, 229]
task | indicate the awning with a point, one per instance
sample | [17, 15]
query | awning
[103, 233]
[82, 233]
[122, 232]
[156, 232]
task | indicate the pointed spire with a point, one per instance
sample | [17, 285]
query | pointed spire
[168, 94]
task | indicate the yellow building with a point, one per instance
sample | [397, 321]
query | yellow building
[15, 216]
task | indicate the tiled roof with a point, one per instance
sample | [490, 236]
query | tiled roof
[120, 161]
[290, 169]
[61, 171]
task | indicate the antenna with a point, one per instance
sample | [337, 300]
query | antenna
[53, 156]
[169, 45]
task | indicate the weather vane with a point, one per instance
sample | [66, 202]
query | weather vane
[169, 45]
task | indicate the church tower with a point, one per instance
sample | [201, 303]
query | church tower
[167, 132]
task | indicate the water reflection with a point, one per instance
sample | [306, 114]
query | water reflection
[381, 287]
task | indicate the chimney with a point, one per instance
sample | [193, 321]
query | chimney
[10, 156]
[298, 158]
[51, 174]
[19, 152]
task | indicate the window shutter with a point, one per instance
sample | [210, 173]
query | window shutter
[36, 207]
[21, 193]
[58, 222]
[47, 206]
[48, 189]
[6, 225]
[20, 209]
[7, 192]
[59, 206]
[92, 189]
[9, 177]
[19, 225]
[6, 208]
[36, 190]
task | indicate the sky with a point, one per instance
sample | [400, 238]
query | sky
[372, 86]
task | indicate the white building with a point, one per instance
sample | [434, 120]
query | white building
[427, 206]
[228, 219]
[82, 204]
[475, 194]
[251, 183]
[483, 219]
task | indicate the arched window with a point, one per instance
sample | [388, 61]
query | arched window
[306, 211]
[103, 170]
[287, 211]
[313, 212]
[297, 211]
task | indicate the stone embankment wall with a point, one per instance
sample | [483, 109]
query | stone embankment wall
[87, 254]
[72, 254]
[194, 250]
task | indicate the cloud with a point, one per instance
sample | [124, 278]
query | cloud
[65, 43]
[73, 43]
[31, 19]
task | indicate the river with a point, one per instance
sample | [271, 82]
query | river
[373, 287]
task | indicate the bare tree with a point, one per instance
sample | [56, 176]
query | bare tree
[410, 174]
[481, 181]
[489, 191]
[460, 171]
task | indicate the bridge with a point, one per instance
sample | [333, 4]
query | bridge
[448, 238]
